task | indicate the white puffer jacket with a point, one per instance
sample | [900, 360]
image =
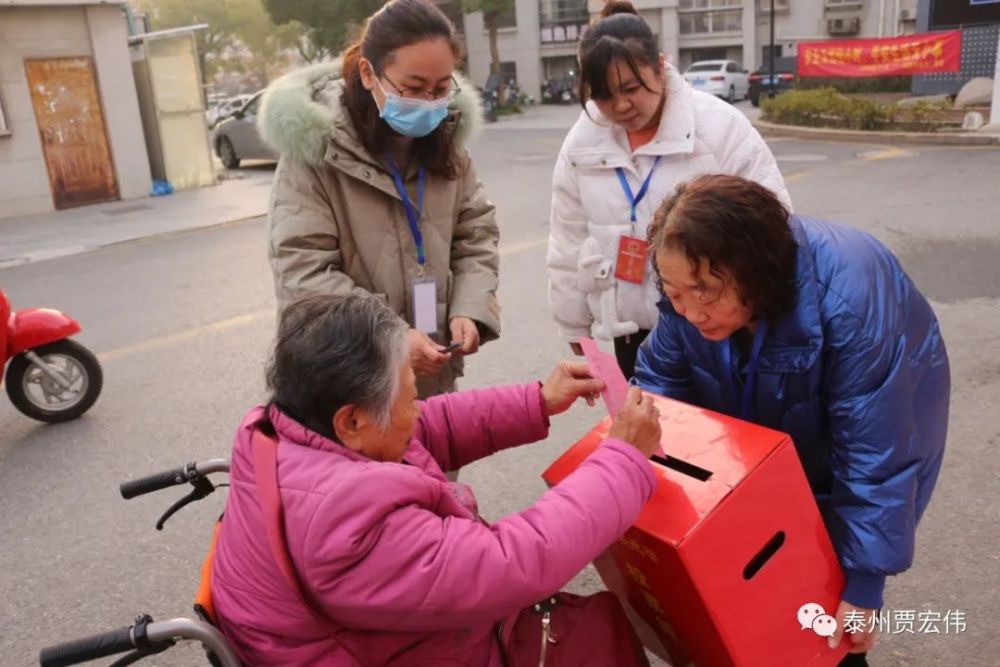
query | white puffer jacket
[699, 134]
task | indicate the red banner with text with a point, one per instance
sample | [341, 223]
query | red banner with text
[894, 56]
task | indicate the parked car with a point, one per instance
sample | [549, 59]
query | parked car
[236, 138]
[724, 78]
[785, 76]
[225, 108]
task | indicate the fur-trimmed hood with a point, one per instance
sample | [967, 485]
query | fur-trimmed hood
[302, 113]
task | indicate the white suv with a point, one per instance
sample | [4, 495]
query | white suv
[724, 78]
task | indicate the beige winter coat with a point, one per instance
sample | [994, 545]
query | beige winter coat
[338, 226]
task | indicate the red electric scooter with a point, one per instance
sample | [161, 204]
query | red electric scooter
[49, 378]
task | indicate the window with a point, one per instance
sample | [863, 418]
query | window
[705, 22]
[562, 20]
[844, 3]
[507, 19]
[705, 67]
[251, 109]
[453, 10]
[712, 4]
[766, 51]
[4, 130]
[764, 6]
[733, 68]
[563, 12]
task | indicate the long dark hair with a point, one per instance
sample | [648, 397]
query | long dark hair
[619, 36]
[737, 225]
[399, 23]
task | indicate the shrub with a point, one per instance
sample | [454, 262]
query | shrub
[870, 84]
[824, 107]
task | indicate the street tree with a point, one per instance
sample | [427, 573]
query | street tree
[240, 34]
[492, 11]
[262, 39]
[332, 23]
[212, 42]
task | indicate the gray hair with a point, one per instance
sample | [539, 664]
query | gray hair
[336, 351]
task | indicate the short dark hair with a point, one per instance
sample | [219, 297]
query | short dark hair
[397, 24]
[737, 225]
[335, 351]
[620, 36]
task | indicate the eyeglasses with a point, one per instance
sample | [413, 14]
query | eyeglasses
[703, 295]
[430, 96]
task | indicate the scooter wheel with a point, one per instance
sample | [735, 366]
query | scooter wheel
[40, 397]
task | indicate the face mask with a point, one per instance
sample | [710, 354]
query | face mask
[412, 117]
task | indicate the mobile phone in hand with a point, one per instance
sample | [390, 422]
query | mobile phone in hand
[451, 348]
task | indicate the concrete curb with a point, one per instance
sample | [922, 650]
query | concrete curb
[46, 254]
[830, 134]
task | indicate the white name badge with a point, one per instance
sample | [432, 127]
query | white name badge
[425, 304]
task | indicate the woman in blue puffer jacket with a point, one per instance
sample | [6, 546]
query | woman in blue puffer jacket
[813, 329]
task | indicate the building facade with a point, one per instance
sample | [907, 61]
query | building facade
[70, 130]
[539, 42]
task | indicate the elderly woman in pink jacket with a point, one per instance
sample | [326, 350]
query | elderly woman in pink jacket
[397, 564]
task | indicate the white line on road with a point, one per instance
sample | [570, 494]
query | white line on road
[181, 336]
[251, 318]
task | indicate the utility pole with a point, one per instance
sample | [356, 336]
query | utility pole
[995, 104]
[770, 57]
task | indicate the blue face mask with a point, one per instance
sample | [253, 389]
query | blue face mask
[412, 117]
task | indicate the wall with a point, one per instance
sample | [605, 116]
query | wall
[109, 36]
[520, 45]
[30, 33]
[52, 32]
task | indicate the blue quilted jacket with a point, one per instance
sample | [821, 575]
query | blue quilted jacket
[857, 374]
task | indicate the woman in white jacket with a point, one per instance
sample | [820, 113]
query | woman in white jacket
[643, 132]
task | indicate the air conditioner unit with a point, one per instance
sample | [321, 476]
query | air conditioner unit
[843, 26]
[905, 15]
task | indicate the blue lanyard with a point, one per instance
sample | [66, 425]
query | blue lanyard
[412, 214]
[751, 383]
[634, 199]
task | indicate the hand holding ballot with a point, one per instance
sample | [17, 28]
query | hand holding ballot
[568, 382]
[638, 423]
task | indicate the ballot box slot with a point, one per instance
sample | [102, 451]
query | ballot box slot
[764, 555]
[683, 467]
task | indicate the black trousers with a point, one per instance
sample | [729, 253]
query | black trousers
[854, 660]
[627, 349]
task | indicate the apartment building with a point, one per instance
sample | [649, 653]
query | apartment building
[538, 40]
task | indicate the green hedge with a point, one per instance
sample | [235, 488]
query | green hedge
[826, 107]
[869, 84]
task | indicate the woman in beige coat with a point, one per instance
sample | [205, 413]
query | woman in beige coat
[375, 193]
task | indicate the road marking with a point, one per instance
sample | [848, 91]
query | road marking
[884, 154]
[796, 176]
[182, 336]
[801, 157]
[249, 318]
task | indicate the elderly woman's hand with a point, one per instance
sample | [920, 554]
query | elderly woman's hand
[638, 423]
[568, 382]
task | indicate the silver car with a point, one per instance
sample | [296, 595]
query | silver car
[236, 138]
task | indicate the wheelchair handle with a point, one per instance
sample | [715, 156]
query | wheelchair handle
[184, 474]
[160, 635]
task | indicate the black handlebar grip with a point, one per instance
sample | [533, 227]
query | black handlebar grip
[88, 648]
[155, 482]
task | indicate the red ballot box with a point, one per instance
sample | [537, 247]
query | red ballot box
[729, 562]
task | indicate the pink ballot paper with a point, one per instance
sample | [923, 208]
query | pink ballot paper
[604, 366]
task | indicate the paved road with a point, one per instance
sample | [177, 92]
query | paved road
[183, 324]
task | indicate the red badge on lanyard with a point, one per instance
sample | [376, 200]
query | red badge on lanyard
[631, 263]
